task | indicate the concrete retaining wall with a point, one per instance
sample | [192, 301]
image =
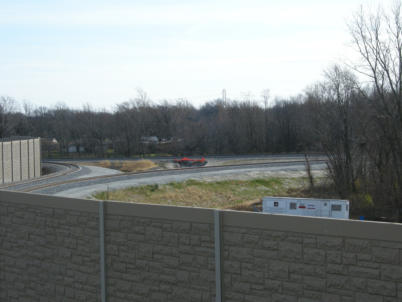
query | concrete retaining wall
[50, 250]
[20, 160]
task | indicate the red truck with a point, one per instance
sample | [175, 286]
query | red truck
[189, 162]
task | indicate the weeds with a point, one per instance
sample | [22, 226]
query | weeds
[232, 194]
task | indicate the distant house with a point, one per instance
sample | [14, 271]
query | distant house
[149, 140]
[75, 149]
[49, 145]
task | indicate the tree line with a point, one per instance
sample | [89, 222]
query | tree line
[217, 127]
[357, 124]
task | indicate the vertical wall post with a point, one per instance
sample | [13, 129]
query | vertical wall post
[29, 166]
[12, 161]
[2, 162]
[40, 157]
[20, 161]
[34, 159]
[218, 276]
[102, 251]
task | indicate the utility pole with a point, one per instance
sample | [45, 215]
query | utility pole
[224, 95]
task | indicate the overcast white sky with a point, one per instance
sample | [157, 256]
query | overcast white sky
[99, 52]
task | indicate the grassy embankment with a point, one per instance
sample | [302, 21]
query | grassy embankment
[227, 194]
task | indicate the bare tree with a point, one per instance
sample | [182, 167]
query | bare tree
[265, 96]
[378, 40]
[7, 107]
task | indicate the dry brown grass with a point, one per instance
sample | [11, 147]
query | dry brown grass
[104, 164]
[136, 166]
[124, 165]
[228, 194]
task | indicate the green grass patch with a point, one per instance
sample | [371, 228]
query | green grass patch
[229, 194]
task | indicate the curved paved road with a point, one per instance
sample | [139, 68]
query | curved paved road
[86, 188]
[60, 173]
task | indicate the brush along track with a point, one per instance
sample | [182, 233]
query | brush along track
[175, 171]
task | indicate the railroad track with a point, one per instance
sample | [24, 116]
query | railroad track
[104, 179]
[70, 168]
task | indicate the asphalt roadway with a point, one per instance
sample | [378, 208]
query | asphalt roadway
[86, 188]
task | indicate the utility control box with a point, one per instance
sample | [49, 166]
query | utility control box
[332, 208]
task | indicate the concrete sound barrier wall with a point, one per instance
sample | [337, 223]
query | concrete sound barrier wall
[7, 162]
[61, 249]
[19, 160]
[24, 163]
[16, 160]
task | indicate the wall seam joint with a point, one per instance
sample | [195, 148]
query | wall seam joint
[102, 251]
[217, 242]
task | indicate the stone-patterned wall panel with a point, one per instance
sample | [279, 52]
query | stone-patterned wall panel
[48, 254]
[8, 173]
[265, 265]
[24, 160]
[152, 259]
[49, 251]
[16, 150]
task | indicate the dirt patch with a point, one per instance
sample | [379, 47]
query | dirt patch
[124, 165]
[168, 165]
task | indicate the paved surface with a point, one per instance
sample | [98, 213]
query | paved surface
[85, 189]
[59, 175]
[92, 171]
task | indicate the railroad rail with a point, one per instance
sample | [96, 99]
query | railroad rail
[173, 171]
[70, 168]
